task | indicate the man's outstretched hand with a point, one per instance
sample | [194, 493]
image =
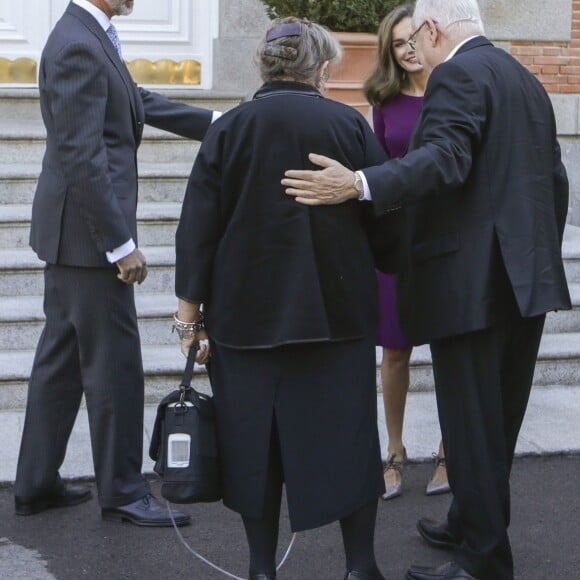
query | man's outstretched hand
[331, 185]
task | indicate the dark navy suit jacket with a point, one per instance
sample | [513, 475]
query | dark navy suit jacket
[86, 198]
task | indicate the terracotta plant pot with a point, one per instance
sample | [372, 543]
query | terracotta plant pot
[347, 78]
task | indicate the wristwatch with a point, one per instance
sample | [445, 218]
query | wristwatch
[358, 185]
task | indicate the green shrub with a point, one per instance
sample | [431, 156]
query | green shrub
[338, 15]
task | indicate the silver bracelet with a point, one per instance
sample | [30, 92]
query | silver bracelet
[187, 329]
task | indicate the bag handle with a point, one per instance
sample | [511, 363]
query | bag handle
[188, 372]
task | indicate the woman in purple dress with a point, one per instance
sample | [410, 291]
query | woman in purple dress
[395, 88]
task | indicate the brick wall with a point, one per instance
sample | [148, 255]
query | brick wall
[556, 64]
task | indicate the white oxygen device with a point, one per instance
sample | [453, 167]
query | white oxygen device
[179, 445]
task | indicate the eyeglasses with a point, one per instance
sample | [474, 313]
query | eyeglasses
[412, 40]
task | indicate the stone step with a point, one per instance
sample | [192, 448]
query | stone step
[25, 140]
[551, 427]
[571, 253]
[164, 182]
[565, 320]
[157, 223]
[21, 273]
[558, 364]
[163, 366]
[22, 104]
[22, 320]
[155, 310]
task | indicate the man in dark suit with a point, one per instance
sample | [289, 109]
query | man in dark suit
[483, 197]
[84, 227]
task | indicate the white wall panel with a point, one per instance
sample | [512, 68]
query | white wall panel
[20, 34]
[176, 30]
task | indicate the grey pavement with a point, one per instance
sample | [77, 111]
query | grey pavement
[74, 543]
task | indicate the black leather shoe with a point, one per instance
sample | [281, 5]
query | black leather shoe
[145, 512]
[262, 577]
[448, 571]
[65, 496]
[437, 535]
[356, 575]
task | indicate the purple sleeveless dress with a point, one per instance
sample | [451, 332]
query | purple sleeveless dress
[393, 125]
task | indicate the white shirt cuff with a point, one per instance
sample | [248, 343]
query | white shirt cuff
[366, 194]
[121, 252]
[216, 115]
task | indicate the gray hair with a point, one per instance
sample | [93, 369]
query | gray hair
[464, 15]
[299, 56]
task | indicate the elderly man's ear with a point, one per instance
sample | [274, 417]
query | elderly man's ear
[432, 31]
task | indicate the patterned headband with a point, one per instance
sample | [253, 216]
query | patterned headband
[280, 50]
[288, 29]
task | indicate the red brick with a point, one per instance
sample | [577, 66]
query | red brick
[573, 79]
[570, 70]
[549, 60]
[527, 50]
[550, 70]
[569, 89]
[552, 79]
[526, 60]
[552, 88]
[556, 51]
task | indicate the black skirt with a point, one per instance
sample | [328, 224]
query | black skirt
[322, 399]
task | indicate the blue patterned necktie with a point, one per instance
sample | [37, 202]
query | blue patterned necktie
[114, 38]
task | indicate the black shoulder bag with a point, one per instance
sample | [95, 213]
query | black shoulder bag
[184, 444]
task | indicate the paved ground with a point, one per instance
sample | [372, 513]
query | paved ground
[76, 544]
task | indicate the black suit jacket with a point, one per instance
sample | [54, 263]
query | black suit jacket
[270, 270]
[484, 196]
[86, 198]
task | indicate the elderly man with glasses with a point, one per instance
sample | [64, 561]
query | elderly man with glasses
[483, 197]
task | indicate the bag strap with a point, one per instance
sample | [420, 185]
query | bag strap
[188, 372]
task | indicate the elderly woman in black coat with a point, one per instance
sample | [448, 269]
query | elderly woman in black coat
[289, 301]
